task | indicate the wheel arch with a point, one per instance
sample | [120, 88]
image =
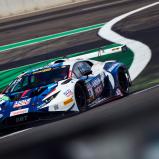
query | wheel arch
[81, 83]
[114, 68]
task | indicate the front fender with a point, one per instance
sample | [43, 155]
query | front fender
[113, 68]
[65, 100]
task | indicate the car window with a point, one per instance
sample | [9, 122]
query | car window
[38, 78]
[80, 68]
[76, 71]
[84, 67]
[25, 81]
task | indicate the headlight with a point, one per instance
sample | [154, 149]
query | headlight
[48, 100]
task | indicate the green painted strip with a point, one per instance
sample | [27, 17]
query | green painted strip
[7, 76]
[125, 57]
[49, 37]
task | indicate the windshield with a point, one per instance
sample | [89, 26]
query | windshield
[39, 78]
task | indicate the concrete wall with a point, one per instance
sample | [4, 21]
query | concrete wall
[9, 8]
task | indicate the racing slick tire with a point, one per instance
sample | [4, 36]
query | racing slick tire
[123, 81]
[80, 97]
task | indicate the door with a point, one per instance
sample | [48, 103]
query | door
[93, 83]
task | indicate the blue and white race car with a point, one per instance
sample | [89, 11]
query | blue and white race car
[64, 85]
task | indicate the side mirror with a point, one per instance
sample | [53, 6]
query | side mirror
[86, 73]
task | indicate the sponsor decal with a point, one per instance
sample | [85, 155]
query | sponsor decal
[21, 103]
[19, 112]
[68, 101]
[21, 119]
[98, 90]
[68, 93]
[56, 107]
[43, 70]
[116, 49]
[97, 86]
[90, 91]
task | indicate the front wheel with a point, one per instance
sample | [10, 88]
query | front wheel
[80, 96]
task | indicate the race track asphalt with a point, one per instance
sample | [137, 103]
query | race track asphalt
[71, 19]
[122, 129]
[131, 119]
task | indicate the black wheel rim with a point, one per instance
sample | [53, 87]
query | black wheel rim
[123, 82]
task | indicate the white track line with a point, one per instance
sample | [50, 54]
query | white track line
[15, 133]
[142, 53]
[147, 89]
[105, 5]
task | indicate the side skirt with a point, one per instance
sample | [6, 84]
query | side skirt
[100, 101]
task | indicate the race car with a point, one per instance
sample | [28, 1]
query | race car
[62, 86]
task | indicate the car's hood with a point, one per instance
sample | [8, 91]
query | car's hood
[31, 96]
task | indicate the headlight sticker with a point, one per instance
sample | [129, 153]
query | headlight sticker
[68, 101]
[68, 93]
